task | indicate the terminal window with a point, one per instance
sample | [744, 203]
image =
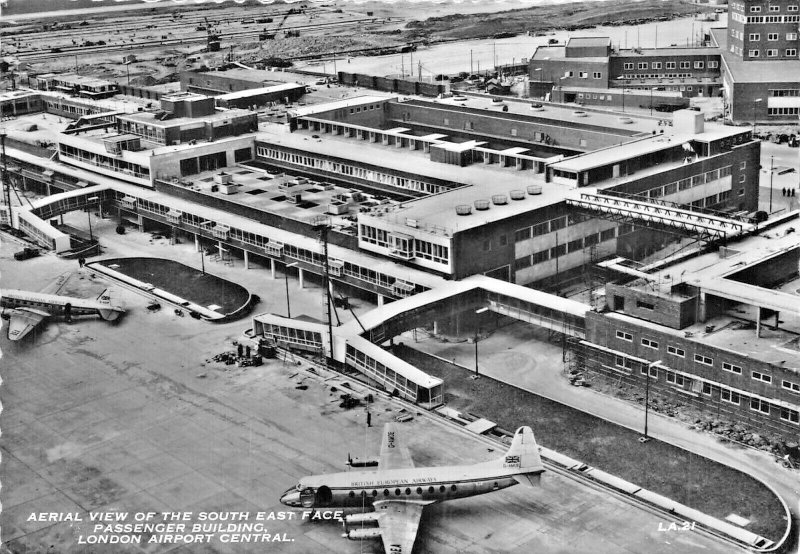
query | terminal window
[705, 360]
[732, 368]
[758, 405]
[794, 387]
[790, 415]
[729, 396]
[758, 376]
[624, 336]
[680, 352]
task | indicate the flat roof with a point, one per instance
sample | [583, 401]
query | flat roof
[437, 212]
[589, 41]
[258, 91]
[544, 53]
[275, 193]
[632, 92]
[669, 51]
[150, 117]
[338, 105]
[646, 145]
[762, 71]
[620, 152]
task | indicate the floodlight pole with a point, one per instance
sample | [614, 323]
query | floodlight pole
[477, 331]
[647, 396]
[286, 279]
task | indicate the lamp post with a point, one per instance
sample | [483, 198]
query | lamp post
[645, 438]
[202, 260]
[755, 101]
[286, 279]
[771, 174]
[478, 311]
[89, 201]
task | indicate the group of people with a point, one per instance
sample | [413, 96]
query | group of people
[788, 191]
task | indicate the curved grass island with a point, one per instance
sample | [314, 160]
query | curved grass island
[202, 294]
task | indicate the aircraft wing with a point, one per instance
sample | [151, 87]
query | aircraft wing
[398, 523]
[56, 285]
[23, 321]
[393, 454]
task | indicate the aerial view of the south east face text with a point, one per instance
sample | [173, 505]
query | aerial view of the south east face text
[399, 276]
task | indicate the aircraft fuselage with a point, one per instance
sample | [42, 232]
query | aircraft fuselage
[425, 485]
[53, 304]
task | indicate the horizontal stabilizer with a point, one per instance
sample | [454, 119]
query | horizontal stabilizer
[109, 314]
[529, 479]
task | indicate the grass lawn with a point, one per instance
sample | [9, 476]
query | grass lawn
[183, 281]
[687, 478]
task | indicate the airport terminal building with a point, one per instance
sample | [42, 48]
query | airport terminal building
[416, 196]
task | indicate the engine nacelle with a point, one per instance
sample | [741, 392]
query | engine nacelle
[357, 534]
[368, 517]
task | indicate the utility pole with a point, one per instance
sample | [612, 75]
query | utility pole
[6, 184]
[322, 232]
[470, 62]
[771, 174]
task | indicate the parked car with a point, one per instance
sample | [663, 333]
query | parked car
[26, 254]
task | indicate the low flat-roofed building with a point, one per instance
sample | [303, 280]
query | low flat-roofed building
[716, 329]
[188, 117]
[257, 97]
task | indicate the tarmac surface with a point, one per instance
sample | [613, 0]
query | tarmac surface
[132, 418]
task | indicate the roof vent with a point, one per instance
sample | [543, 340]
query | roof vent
[534, 189]
[463, 209]
[499, 199]
[517, 194]
[481, 205]
[580, 113]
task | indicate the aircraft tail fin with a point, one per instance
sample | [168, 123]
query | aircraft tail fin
[524, 455]
[105, 297]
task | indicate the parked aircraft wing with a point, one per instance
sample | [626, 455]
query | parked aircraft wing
[398, 523]
[393, 454]
[57, 284]
[23, 321]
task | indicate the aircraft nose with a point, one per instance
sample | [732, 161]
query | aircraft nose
[291, 498]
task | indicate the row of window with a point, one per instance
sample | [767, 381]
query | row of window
[584, 74]
[386, 376]
[783, 111]
[633, 76]
[687, 183]
[350, 269]
[755, 37]
[366, 108]
[683, 64]
[773, 8]
[341, 168]
[781, 92]
[568, 248]
[98, 160]
[773, 53]
[550, 226]
[399, 492]
[423, 249]
[299, 337]
[726, 394]
[700, 358]
[765, 18]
